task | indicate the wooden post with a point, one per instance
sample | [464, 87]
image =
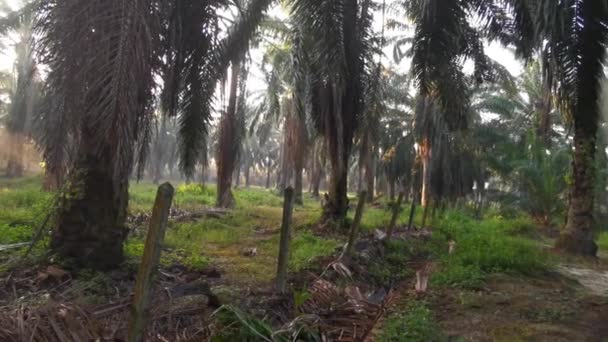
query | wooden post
[354, 229]
[396, 210]
[149, 261]
[285, 240]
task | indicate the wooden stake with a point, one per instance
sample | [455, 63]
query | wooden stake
[285, 240]
[396, 210]
[354, 229]
[149, 261]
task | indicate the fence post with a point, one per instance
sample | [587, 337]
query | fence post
[354, 229]
[396, 211]
[149, 261]
[285, 240]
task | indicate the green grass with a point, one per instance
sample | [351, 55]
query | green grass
[415, 323]
[374, 218]
[191, 197]
[492, 245]
[495, 244]
[305, 247]
[22, 208]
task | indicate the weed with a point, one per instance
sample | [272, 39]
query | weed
[392, 267]
[241, 326]
[196, 262]
[415, 324]
[22, 207]
[305, 247]
[461, 276]
[133, 250]
[485, 247]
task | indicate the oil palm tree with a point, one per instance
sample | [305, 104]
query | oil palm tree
[102, 57]
[23, 96]
[541, 180]
[576, 32]
[573, 34]
[443, 39]
[340, 31]
[527, 102]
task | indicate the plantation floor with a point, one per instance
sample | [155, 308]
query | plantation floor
[500, 285]
[550, 308]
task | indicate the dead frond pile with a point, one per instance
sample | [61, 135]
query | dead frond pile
[345, 314]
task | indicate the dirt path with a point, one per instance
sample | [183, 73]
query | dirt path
[550, 308]
[594, 281]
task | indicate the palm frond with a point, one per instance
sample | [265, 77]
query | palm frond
[97, 52]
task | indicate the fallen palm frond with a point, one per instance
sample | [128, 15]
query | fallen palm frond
[178, 319]
[344, 314]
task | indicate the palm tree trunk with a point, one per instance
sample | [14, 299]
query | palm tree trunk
[544, 108]
[341, 119]
[15, 166]
[226, 157]
[237, 176]
[91, 223]
[268, 174]
[281, 172]
[369, 175]
[247, 171]
[312, 164]
[366, 167]
[299, 157]
[425, 152]
[158, 173]
[298, 187]
[52, 179]
[577, 237]
[203, 175]
[338, 148]
[318, 166]
[360, 176]
[391, 188]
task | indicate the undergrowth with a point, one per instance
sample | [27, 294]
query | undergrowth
[22, 208]
[415, 323]
[241, 326]
[305, 247]
[492, 245]
[391, 267]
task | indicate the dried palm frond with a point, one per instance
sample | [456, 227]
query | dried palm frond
[344, 314]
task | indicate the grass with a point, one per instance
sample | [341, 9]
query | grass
[390, 267]
[415, 323]
[22, 208]
[495, 244]
[374, 218]
[305, 247]
[254, 223]
[492, 245]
